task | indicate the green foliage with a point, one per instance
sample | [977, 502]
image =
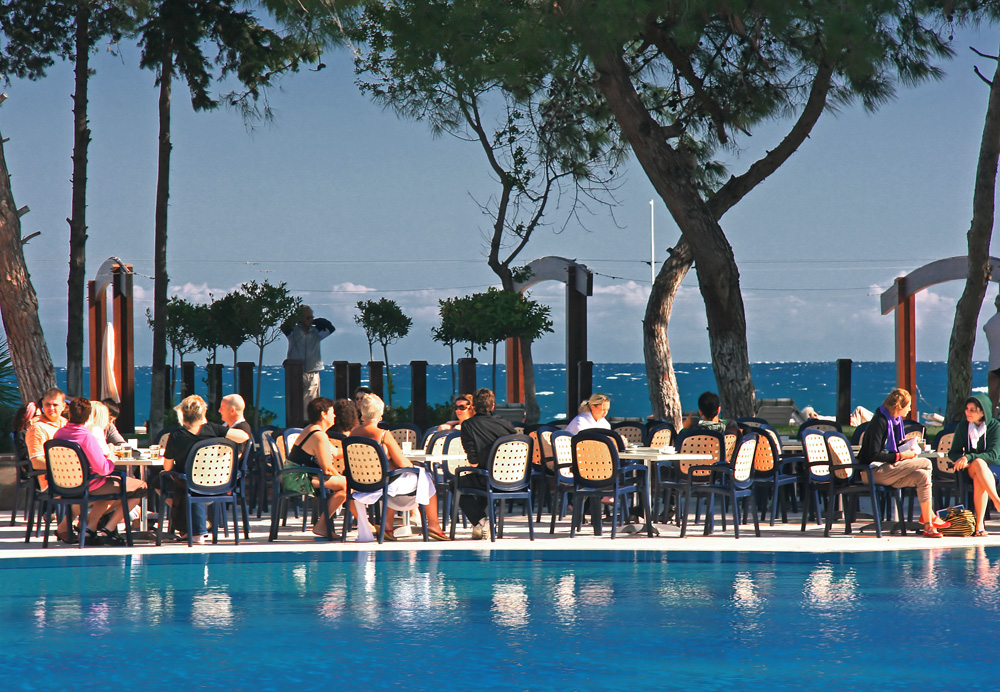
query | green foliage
[384, 322]
[177, 34]
[35, 32]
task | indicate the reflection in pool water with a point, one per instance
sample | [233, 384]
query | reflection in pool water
[522, 620]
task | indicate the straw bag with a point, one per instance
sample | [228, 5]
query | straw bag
[963, 522]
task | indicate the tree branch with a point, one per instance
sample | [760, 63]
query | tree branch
[737, 187]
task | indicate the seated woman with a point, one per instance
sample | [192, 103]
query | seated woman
[976, 447]
[98, 423]
[371, 409]
[195, 428]
[101, 465]
[891, 466]
[593, 414]
[312, 448]
[347, 416]
[463, 412]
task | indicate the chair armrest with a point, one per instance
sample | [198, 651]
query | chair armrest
[788, 461]
[463, 470]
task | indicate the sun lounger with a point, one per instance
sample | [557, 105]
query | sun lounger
[781, 412]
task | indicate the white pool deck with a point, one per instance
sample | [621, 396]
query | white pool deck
[779, 538]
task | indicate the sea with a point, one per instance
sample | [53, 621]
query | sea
[807, 383]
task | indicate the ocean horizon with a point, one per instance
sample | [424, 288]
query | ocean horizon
[808, 383]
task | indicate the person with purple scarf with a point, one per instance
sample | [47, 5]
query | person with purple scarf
[880, 448]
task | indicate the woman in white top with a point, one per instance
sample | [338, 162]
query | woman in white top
[593, 414]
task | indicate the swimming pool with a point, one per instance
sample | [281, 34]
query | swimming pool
[504, 620]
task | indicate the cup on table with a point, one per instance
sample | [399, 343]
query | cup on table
[407, 446]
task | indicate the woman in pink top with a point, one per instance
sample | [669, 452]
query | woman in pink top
[101, 465]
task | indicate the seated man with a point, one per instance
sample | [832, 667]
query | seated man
[709, 409]
[478, 435]
[231, 409]
[43, 428]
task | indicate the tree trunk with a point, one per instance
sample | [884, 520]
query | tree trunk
[18, 303]
[532, 412]
[718, 275]
[388, 374]
[76, 311]
[664, 396]
[963, 331]
[161, 278]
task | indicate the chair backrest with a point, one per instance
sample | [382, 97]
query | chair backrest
[660, 435]
[633, 433]
[453, 445]
[66, 467]
[943, 442]
[912, 428]
[406, 433]
[731, 440]
[562, 454]
[768, 450]
[700, 442]
[815, 451]
[288, 438]
[819, 424]
[613, 434]
[211, 466]
[595, 459]
[840, 452]
[509, 462]
[435, 445]
[743, 460]
[365, 464]
[750, 423]
[269, 448]
[337, 440]
[859, 434]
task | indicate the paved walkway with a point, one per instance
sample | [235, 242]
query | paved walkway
[780, 538]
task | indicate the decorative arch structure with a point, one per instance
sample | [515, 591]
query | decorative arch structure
[113, 376]
[579, 286]
[901, 297]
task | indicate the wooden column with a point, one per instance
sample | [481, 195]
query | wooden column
[187, 378]
[515, 373]
[844, 390]
[121, 295]
[353, 378]
[906, 342]
[467, 376]
[340, 388]
[244, 379]
[418, 392]
[98, 315]
[375, 378]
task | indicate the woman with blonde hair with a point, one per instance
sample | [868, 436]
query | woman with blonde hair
[195, 427]
[593, 414]
[892, 461]
[371, 408]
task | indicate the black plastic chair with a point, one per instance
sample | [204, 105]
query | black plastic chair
[819, 424]
[561, 480]
[26, 479]
[732, 481]
[660, 434]
[849, 479]
[210, 477]
[407, 433]
[367, 470]
[672, 476]
[67, 471]
[508, 477]
[281, 496]
[632, 432]
[774, 470]
[598, 473]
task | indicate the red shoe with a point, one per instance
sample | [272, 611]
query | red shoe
[931, 532]
[940, 523]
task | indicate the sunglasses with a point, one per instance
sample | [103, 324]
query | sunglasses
[461, 408]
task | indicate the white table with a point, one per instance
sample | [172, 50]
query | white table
[144, 465]
[650, 455]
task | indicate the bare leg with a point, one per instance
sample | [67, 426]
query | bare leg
[981, 472]
[338, 486]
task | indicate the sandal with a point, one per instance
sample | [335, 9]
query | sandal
[111, 537]
[389, 535]
[93, 539]
[981, 533]
[437, 535]
[931, 532]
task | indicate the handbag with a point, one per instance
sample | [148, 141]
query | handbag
[963, 522]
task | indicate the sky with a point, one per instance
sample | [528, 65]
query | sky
[345, 201]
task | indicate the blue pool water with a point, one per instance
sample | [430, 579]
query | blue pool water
[521, 620]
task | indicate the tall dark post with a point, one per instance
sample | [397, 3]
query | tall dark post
[844, 390]
[168, 399]
[467, 375]
[576, 334]
[585, 382]
[353, 378]
[244, 380]
[375, 378]
[214, 386]
[418, 393]
[187, 378]
[340, 388]
[295, 413]
[121, 292]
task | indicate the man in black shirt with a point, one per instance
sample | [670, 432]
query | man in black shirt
[478, 435]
